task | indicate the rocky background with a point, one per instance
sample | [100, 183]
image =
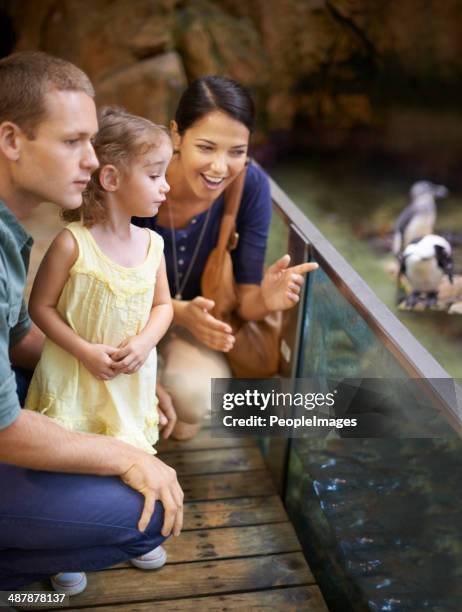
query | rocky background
[370, 74]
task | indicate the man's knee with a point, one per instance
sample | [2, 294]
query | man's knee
[157, 520]
[145, 541]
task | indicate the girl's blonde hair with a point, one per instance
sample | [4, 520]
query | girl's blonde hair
[121, 138]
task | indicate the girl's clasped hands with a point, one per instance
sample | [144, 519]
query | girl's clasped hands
[105, 362]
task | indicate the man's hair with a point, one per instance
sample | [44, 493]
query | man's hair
[25, 78]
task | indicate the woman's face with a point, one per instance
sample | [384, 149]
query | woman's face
[212, 152]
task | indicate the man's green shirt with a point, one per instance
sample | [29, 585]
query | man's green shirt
[15, 246]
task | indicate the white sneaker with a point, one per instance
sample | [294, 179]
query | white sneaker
[154, 559]
[70, 583]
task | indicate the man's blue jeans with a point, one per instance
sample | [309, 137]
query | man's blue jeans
[53, 522]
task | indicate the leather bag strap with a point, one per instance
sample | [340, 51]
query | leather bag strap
[233, 195]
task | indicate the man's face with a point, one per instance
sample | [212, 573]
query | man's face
[57, 164]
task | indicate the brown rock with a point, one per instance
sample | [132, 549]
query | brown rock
[212, 41]
[150, 88]
[337, 63]
[99, 36]
[195, 45]
[281, 109]
[153, 38]
[28, 19]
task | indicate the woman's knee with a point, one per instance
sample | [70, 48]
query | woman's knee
[190, 396]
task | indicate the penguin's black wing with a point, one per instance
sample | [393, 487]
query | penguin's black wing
[444, 261]
[402, 265]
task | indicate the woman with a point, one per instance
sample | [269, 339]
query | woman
[210, 134]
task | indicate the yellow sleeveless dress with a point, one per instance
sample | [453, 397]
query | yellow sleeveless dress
[104, 303]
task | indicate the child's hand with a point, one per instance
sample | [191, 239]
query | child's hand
[131, 354]
[166, 410]
[98, 361]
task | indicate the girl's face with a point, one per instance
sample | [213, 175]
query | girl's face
[212, 152]
[143, 187]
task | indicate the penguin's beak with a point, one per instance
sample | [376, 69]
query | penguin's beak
[440, 191]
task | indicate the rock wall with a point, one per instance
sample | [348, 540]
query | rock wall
[328, 68]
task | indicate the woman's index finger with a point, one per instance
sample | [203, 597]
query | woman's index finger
[304, 268]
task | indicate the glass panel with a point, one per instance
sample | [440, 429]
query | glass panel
[338, 343]
[379, 519]
[278, 238]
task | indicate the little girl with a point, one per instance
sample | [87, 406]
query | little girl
[101, 297]
[101, 294]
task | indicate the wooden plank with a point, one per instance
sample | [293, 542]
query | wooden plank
[225, 543]
[216, 461]
[204, 440]
[233, 512]
[230, 542]
[192, 580]
[292, 599]
[222, 486]
[227, 513]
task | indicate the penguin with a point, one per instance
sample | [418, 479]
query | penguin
[424, 262]
[418, 218]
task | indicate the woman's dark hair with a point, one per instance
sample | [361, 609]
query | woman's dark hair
[213, 92]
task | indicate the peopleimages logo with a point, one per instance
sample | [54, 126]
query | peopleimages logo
[261, 400]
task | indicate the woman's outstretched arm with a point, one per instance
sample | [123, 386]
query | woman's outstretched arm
[279, 290]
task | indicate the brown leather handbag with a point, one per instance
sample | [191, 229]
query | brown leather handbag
[256, 350]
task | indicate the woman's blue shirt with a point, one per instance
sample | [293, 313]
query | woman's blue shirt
[252, 225]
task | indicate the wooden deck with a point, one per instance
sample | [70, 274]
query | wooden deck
[238, 549]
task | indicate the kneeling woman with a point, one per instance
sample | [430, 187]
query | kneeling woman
[210, 134]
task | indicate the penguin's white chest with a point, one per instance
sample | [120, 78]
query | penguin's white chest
[424, 274]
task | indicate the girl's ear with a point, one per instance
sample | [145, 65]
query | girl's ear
[109, 178]
[176, 138]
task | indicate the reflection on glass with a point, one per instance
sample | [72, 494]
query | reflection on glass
[338, 343]
[380, 519]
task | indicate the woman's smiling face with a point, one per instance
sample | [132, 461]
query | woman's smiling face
[212, 152]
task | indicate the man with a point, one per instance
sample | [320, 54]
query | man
[65, 503]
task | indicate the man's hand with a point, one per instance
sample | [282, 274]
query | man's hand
[97, 359]
[166, 410]
[157, 481]
[210, 331]
[131, 354]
